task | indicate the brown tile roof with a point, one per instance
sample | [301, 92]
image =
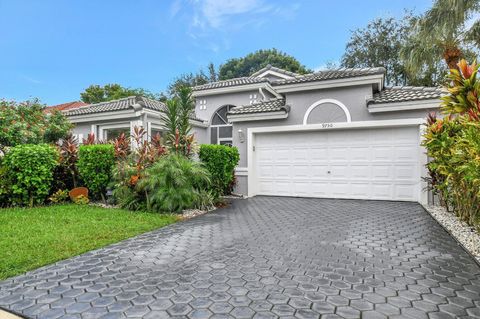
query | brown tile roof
[273, 105]
[65, 106]
[406, 93]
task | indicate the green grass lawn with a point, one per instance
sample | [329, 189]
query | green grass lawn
[31, 238]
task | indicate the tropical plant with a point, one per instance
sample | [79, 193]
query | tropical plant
[121, 146]
[60, 196]
[129, 169]
[30, 172]
[176, 121]
[69, 158]
[453, 145]
[443, 32]
[174, 183]
[220, 161]
[95, 165]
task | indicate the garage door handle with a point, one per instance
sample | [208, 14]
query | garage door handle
[328, 172]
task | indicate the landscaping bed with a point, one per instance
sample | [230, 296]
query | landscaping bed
[34, 237]
[465, 234]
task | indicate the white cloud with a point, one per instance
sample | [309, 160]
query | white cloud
[216, 12]
[175, 8]
[212, 22]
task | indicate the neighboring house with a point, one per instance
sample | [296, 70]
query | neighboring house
[65, 106]
[109, 119]
[337, 133]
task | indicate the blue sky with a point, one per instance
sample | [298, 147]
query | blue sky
[54, 49]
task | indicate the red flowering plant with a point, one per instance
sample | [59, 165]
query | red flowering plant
[134, 155]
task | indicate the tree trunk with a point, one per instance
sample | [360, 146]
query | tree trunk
[452, 55]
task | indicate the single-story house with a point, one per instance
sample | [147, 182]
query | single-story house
[335, 133]
[109, 119]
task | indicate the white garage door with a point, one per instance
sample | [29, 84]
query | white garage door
[381, 163]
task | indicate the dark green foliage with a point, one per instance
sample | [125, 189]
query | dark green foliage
[30, 173]
[220, 160]
[379, 45]
[95, 165]
[252, 62]
[96, 93]
[174, 183]
[187, 80]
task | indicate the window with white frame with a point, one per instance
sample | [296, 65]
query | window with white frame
[203, 104]
[221, 131]
[253, 98]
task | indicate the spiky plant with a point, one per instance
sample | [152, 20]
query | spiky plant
[174, 183]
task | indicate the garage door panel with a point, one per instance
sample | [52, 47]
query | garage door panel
[356, 163]
[319, 171]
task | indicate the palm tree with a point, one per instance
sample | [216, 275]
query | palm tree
[443, 32]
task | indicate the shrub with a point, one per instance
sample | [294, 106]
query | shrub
[174, 183]
[26, 123]
[60, 196]
[95, 165]
[30, 172]
[81, 200]
[220, 160]
[453, 145]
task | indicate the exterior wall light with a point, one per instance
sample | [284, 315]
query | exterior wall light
[241, 136]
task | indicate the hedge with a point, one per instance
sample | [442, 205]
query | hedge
[95, 166]
[28, 173]
[221, 161]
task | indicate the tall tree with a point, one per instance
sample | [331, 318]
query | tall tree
[96, 93]
[186, 80]
[443, 32]
[212, 73]
[252, 62]
[378, 44]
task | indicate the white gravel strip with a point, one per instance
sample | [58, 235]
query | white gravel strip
[464, 233]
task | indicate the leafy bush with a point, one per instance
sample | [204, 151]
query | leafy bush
[174, 183]
[26, 123]
[453, 144]
[30, 172]
[81, 200]
[95, 165]
[220, 160]
[60, 196]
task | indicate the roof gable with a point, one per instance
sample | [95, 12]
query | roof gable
[270, 70]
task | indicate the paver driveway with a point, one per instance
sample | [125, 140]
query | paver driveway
[266, 257]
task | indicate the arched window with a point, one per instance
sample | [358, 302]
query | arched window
[221, 131]
[327, 111]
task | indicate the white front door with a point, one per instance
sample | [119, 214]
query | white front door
[369, 163]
